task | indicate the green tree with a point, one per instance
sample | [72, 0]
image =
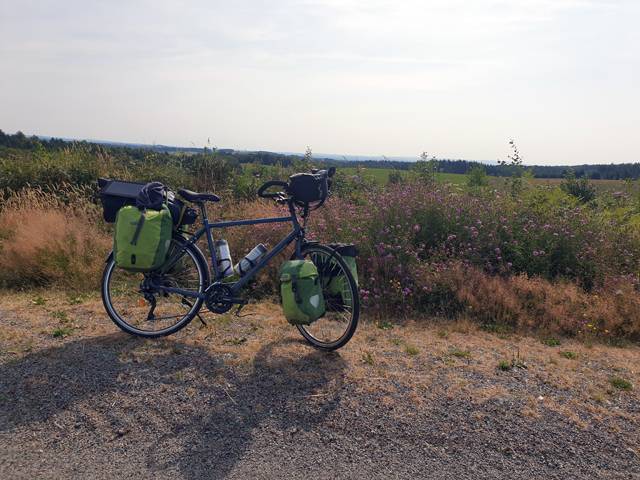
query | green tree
[426, 168]
[516, 167]
[477, 177]
[395, 176]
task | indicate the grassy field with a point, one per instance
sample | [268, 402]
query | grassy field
[381, 175]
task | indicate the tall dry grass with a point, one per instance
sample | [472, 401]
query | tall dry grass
[48, 239]
[535, 304]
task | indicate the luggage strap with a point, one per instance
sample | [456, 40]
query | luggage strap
[294, 289]
[136, 235]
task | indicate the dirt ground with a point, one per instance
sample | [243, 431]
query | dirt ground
[247, 398]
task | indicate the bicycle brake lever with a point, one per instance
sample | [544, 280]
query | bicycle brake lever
[281, 200]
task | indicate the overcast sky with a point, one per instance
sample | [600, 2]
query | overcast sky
[454, 78]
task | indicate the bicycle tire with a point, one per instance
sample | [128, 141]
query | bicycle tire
[203, 276]
[353, 323]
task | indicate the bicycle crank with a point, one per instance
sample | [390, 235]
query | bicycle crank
[220, 299]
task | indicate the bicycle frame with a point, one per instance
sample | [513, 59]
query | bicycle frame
[297, 234]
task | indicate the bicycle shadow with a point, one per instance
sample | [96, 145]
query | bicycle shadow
[49, 381]
[213, 433]
[281, 396]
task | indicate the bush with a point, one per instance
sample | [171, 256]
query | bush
[477, 177]
[581, 188]
[395, 176]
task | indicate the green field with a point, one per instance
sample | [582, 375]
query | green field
[381, 175]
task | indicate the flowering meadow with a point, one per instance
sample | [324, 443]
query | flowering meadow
[541, 260]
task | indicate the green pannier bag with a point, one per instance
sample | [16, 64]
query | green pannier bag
[142, 238]
[302, 299]
[336, 285]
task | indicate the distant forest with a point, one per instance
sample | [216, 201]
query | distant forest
[601, 171]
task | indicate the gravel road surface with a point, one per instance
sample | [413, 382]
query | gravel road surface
[245, 401]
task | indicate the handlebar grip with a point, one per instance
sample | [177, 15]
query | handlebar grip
[268, 185]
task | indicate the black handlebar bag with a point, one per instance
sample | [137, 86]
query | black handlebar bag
[306, 188]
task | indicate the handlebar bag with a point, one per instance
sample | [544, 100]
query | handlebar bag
[142, 238]
[301, 291]
[306, 188]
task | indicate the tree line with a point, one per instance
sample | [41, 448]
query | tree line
[235, 157]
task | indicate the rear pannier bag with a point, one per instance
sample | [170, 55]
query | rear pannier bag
[302, 299]
[306, 188]
[115, 194]
[142, 238]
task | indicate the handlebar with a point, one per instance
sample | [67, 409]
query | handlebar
[268, 185]
[282, 195]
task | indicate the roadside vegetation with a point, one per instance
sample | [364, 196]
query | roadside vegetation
[508, 253]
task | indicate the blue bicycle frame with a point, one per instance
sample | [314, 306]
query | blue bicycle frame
[297, 234]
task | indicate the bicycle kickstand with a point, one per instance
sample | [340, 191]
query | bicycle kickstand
[189, 304]
[242, 304]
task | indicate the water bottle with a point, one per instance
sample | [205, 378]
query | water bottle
[225, 264]
[252, 258]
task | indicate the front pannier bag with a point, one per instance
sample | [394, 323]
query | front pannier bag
[339, 294]
[302, 299]
[349, 252]
[142, 238]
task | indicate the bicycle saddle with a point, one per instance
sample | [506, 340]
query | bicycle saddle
[198, 197]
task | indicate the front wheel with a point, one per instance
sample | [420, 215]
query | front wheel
[138, 308]
[340, 291]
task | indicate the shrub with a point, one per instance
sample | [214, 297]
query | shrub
[621, 383]
[477, 177]
[396, 176]
[581, 188]
[569, 355]
[426, 168]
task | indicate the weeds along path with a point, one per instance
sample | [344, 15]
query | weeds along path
[245, 398]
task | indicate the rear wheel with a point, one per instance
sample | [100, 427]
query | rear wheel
[138, 308]
[340, 291]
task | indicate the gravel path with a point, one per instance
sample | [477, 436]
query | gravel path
[104, 405]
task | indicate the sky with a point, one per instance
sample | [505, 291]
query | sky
[454, 78]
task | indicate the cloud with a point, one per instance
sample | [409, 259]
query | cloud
[454, 77]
